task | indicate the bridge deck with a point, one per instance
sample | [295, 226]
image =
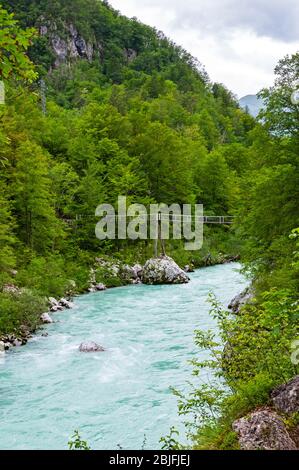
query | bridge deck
[206, 219]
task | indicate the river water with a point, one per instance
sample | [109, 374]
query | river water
[48, 388]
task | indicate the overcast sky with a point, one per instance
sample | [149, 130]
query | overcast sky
[238, 41]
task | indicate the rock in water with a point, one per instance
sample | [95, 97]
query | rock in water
[263, 430]
[53, 302]
[100, 287]
[65, 303]
[90, 346]
[2, 347]
[163, 270]
[45, 318]
[54, 305]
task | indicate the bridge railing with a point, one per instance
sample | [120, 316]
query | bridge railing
[206, 219]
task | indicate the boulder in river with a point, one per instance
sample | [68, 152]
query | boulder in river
[45, 318]
[54, 305]
[65, 303]
[100, 287]
[53, 302]
[90, 346]
[56, 308]
[263, 430]
[2, 347]
[163, 270]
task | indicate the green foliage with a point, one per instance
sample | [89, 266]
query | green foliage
[255, 358]
[293, 421]
[39, 228]
[280, 114]
[7, 239]
[268, 199]
[169, 442]
[107, 278]
[252, 353]
[14, 43]
[142, 119]
[20, 310]
[77, 443]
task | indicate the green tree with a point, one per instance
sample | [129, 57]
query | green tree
[14, 43]
[39, 228]
[7, 238]
[165, 160]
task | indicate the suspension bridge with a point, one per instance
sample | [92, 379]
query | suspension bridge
[157, 220]
[205, 219]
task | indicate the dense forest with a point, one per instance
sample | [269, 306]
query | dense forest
[97, 106]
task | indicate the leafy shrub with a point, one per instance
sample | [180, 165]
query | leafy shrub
[255, 358]
[18, 310]
[77, 443]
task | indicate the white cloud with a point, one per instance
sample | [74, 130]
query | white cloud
[238, 41]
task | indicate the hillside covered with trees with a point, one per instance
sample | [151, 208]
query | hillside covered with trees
[99, 105]
[158, 132]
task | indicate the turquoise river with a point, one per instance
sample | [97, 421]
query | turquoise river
[48, 388]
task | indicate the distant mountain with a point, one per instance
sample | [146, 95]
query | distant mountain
[252, 103]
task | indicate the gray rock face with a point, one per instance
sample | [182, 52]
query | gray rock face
[263, 430]
[45, 318]
[240, 300]
[163, 270]
[286, 397]
[72, 46]
[90, 346]
[60, 49]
